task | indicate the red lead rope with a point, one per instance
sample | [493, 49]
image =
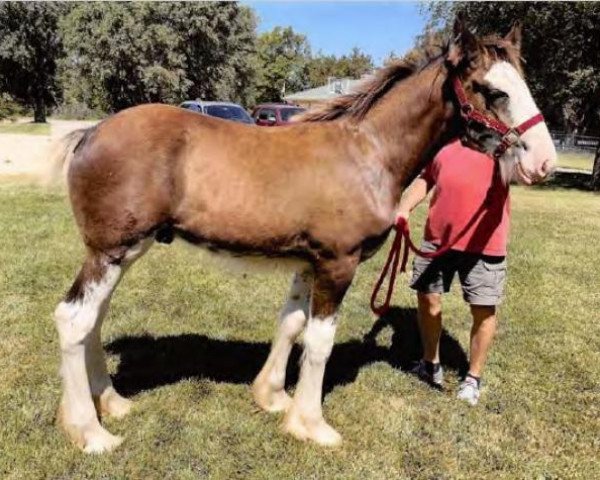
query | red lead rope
[402, 232]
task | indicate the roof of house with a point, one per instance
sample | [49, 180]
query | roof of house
[334, 88]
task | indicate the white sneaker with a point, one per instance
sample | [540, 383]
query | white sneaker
[434, 379]
[469, 391]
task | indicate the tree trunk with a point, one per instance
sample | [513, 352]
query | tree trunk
[39, 111]
[596, 172]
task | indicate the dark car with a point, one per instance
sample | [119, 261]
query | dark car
[273, 114]
[226, 110]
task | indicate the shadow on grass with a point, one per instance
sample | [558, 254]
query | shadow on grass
[147, 362]
[569, 180]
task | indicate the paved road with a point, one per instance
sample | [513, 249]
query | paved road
[25, 155]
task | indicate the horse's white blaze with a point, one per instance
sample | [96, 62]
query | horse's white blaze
[538, 158]
[305, 417]
[268, 388]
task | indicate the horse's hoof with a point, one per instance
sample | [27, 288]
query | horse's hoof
[100, 441]
[112, 404]
[91, 437]
[270, 400]
[317, 431]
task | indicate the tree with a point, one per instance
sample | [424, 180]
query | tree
[30, 46]
[355, 65]
[561, 47]
[219, 45]
[595, 184]
[124, 54]
[321, 68]
[283, 58]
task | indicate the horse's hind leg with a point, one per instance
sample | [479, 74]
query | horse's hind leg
[83, 369]
[106, 399]
[268, 388]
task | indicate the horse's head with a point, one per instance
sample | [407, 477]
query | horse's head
[500, 114]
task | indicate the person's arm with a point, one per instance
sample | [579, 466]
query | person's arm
[413, 195]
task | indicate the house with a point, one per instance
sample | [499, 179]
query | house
[334, 88]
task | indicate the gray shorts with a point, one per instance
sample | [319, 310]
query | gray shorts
[482, 277]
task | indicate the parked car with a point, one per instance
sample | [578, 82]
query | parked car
[272, 114]
[226, 110]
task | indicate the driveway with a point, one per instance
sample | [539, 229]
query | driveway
[27, 155]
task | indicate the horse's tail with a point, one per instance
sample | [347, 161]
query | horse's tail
[60, 156]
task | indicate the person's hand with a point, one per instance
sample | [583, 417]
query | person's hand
[403, 213]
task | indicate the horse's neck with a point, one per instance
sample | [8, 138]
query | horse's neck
[411, 124]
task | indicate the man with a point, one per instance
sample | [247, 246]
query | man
[469, 210]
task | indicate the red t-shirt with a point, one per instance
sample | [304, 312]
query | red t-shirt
[466, 181]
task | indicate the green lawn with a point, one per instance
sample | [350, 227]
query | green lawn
[26, 128]
[186, 340]
[579, 161]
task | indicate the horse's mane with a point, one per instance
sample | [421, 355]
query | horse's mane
[357, 103]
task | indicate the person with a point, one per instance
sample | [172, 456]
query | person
[469, 210]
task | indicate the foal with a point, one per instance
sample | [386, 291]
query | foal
[322, 192]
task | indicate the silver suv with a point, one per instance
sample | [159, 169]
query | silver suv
[226, 110]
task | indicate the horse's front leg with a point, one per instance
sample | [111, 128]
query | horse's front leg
[268, 388]
[305, 419]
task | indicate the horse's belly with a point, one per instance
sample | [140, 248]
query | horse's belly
[248, 263]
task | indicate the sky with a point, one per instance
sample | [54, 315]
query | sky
[376, 27]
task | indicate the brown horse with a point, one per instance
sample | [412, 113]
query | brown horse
[321, 192]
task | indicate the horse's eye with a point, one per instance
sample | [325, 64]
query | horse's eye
[495, 95]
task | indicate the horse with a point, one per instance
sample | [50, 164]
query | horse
[319, 194]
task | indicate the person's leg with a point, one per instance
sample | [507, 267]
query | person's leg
[430, 279]
[482, 280]
[430, 324]
[482, 335]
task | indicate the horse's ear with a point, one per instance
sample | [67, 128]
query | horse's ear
[515, 35]
[463, 46]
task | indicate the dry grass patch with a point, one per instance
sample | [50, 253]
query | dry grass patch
[576, 160]
[26, 128]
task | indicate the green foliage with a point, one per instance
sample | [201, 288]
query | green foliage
[132, 53]
[285, 64]
[30, 45]
[218, 42]
[77, 110]
[94, 57]
[9, 108]
[354, 65]
[283, 58]
[561, 47]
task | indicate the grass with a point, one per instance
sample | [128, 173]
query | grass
[576, 160]
[186, 341]
[26, 128]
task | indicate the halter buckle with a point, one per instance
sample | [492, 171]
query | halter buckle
[467, 109]
[511, 137]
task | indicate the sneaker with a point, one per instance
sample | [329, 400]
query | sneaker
[469, 390]
[429, 373]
